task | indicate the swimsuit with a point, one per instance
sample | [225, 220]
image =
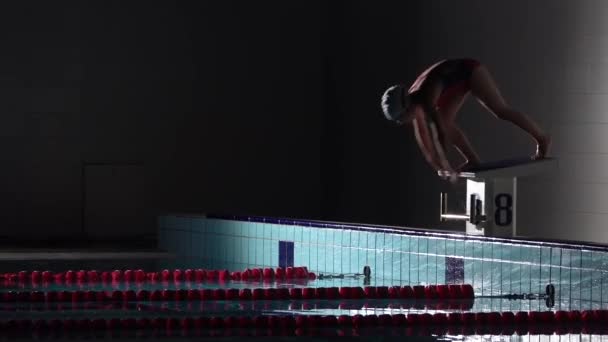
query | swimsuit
[454, 75]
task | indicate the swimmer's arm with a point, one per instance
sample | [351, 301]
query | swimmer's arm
[436, 125]
[425, 143]
[462, 144]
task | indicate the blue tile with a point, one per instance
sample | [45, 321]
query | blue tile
[387, 264]
[322, 237]
[395, 242]
[545, 256]
[450, 248]
[228, 228]
[459, 248]
[370, 259]
[336, 259]
[246, 230]
[360, 261]
[604, 288]
[284, 233]
[290, 233]
[477, 249]
[378, 241]
[211, 240]
[218, 251]
[210, 226]
[306, 235]
[259, 252]
[286, 253]
[298, 254]
[406, 266]
[347, 238]
[198, 225]
[268, 253]
[404, 244]
[586, 276]
[430, 269]
[337, 237]
[251, 247]
[595, 279]
[259, 230]
[314, 235]
[469, 271]
[322, 257]
[274, 253]
[442, 248]
[556, 260]
[237, 228]
[275, 232]
[206, 246]
[440, 271]
[332, 237]
[238, 250]
[346, 263]
[298, 233]
[267, 231]
[221, 227]
[313, 251]
[226, 247]
[432, 246]
[477, 272]
[414, 260]
[355, 239]
[370, 240]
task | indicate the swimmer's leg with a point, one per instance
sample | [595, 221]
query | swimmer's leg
[486, 91]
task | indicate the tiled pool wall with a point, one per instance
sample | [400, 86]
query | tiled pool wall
[396, 256]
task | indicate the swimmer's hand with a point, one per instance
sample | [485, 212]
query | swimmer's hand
[467, 166]
[542, 147]
[441, 159]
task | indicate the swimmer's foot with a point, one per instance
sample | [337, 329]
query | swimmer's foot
[544, 144]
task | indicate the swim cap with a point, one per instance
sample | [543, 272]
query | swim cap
[394, 103]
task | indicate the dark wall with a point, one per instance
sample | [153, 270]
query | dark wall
[373, 171]
[115, 111]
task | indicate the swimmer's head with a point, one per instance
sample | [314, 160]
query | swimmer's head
[395, 104]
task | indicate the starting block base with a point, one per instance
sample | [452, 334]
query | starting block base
[491, 208]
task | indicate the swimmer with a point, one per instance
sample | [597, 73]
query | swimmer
[434, 99]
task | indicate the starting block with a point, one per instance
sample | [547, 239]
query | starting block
[491, 207]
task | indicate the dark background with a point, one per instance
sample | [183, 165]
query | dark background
[113, 112]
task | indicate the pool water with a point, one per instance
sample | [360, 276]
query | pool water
[181, 310]
[493, 267]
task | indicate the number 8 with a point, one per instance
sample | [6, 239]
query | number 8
[506, 208]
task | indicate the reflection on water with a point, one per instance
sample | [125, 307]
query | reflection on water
[490, 298]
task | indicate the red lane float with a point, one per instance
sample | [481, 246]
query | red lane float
[140, 276]
[494, 323]
[430, 302]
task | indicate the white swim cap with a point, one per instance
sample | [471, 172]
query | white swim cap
[394, 103]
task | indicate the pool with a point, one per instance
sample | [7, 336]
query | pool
[415, 287]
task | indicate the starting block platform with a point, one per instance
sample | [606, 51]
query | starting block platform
[491, 200]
